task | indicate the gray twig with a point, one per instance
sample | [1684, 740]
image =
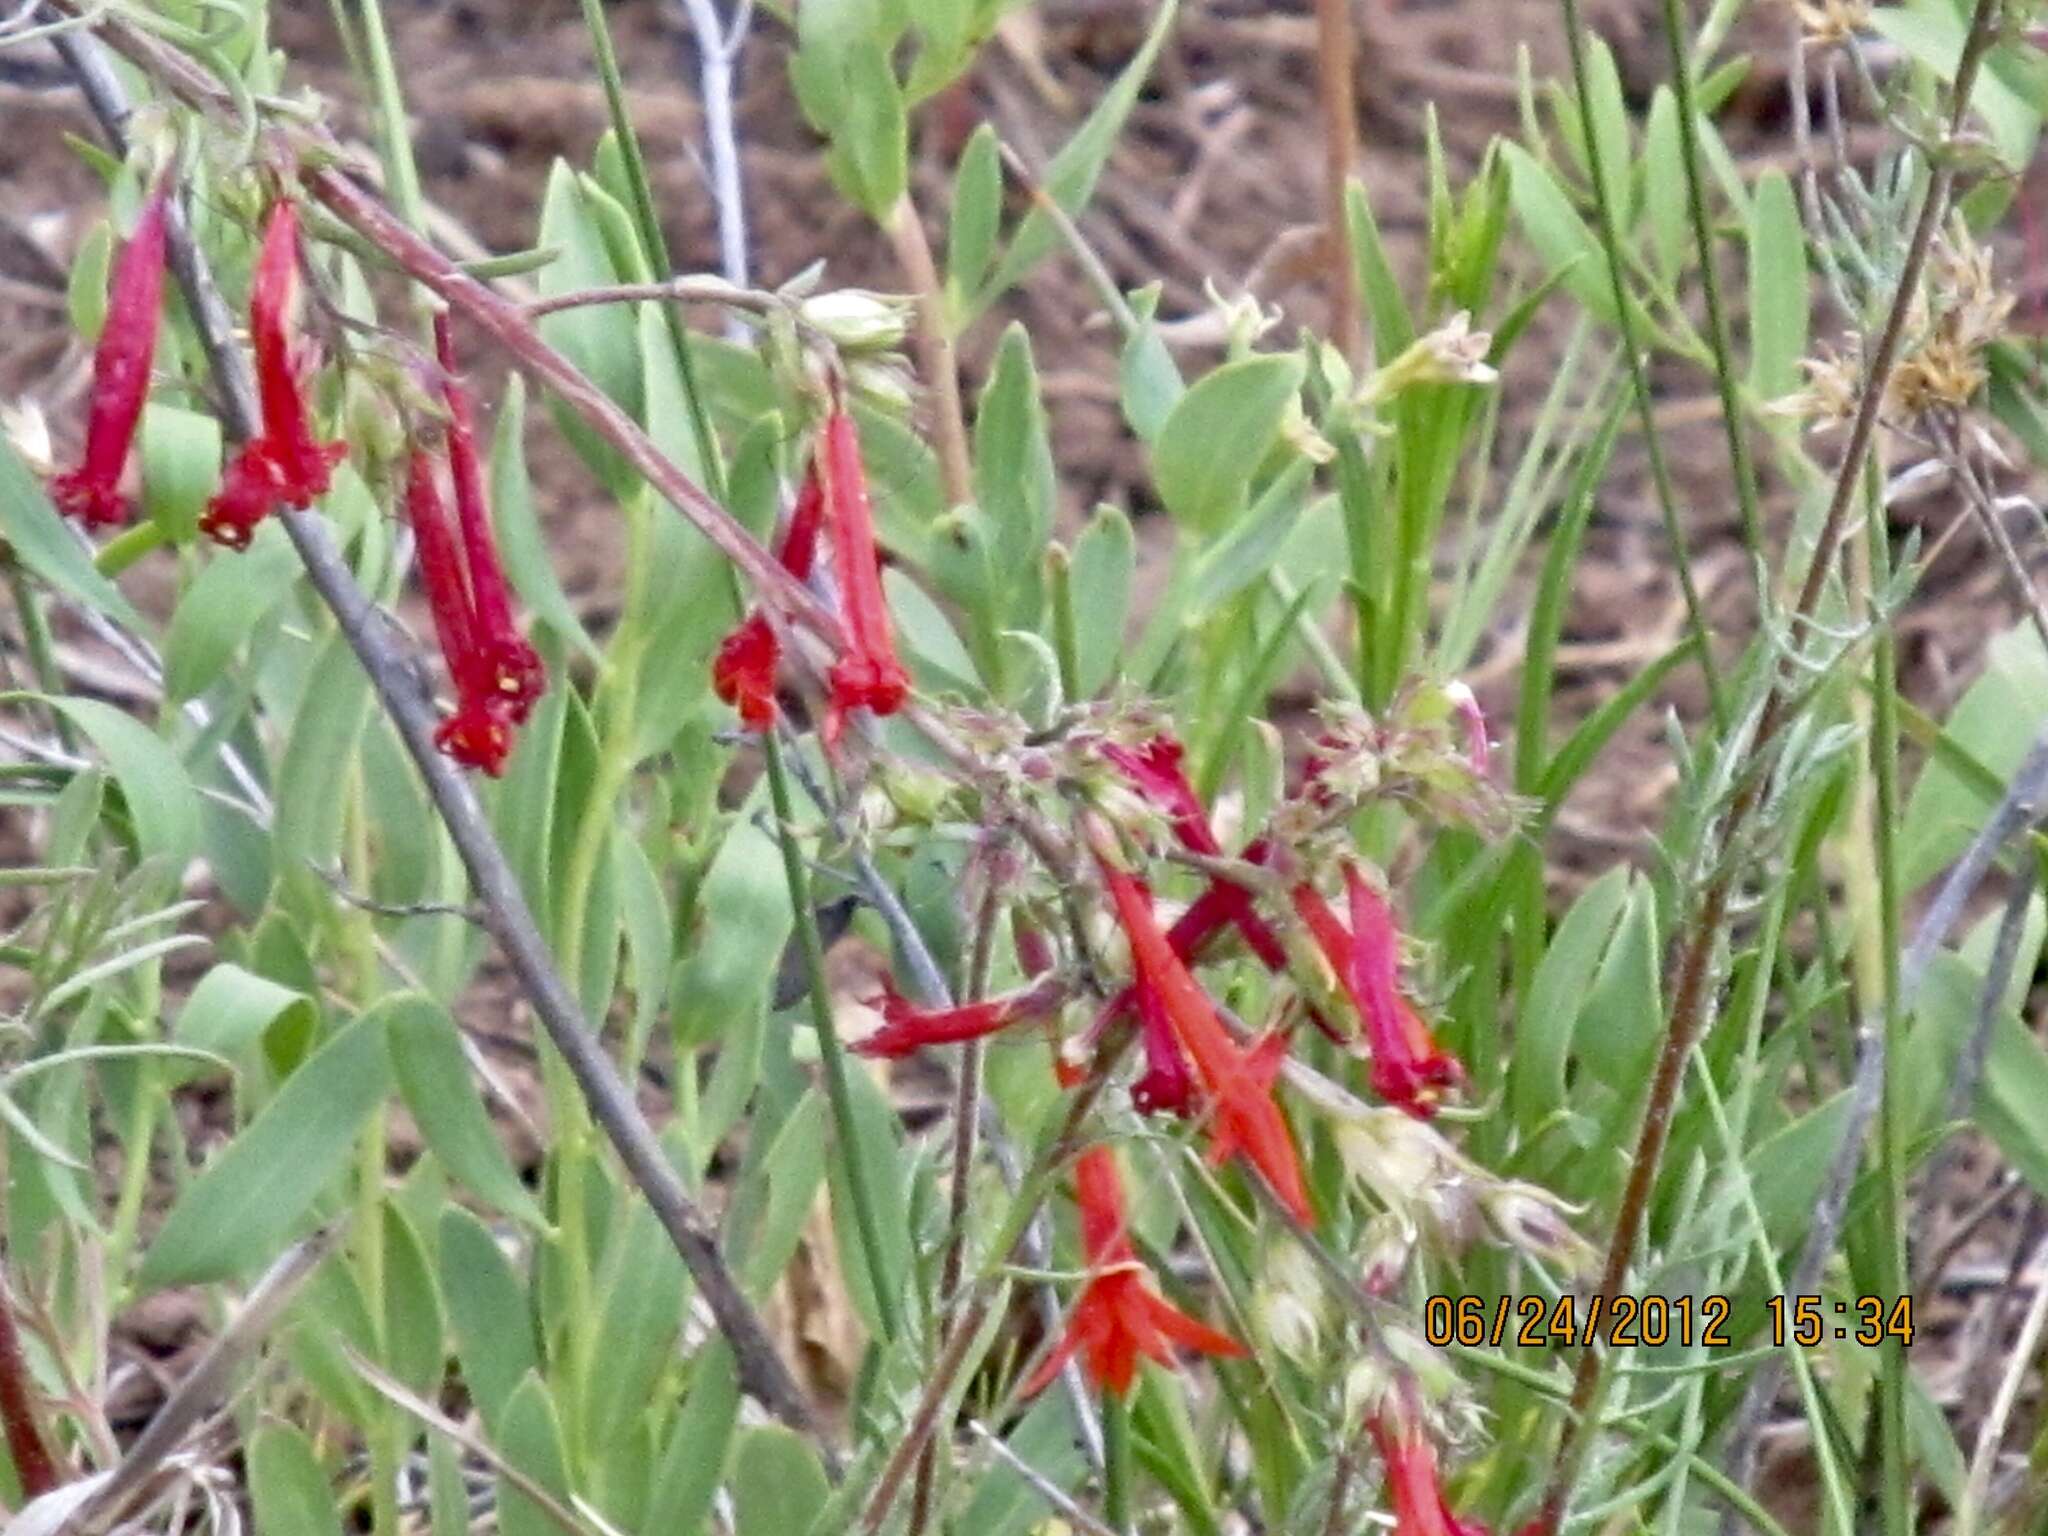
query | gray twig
[396, 681]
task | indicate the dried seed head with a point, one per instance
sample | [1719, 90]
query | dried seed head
[1453, 353]
[1829, 23]
[1533, 1220]
[1292, 1301]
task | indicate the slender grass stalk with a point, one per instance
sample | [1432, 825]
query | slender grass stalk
[831, 1054]
[647, 223]
[1116, 1471]
[401, 173]
[1719, 341]
[1638, 370]
[1893, 1160]
[42, 655]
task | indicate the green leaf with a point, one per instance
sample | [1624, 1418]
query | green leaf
[1777, 288]
[976, 217]
[778, 1488]
[180, 467]
[775, 1198]
[1216, 436]
[1558, 233]
[743, 922]
[1543, 1029]
[434, 1079]
[1105, 561]
[1014, 482]
[161, 800]
[530, 1440]
[1606, 115]
[1149, 379]
[318, 759]
[1664, 183]
[40, 541]
[489, 1311]
[232, 1011]
[291, 1494]
[600, 339]
[937, 659]
[1392, 326]
[85, 296]
[698, 1446]
[1070, 177]
[642, 1311]
[231, 595]
[521, 542]
[245, 1204]
[412, 1307]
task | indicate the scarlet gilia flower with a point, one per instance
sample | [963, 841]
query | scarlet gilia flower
[868, 675]
[120, 374]
[1237, 1083]
[744, 670]
[509, 668]
[285, 464]
[907, 1027]
[1408, 1068]
[1412, 1481]
[1155, 771]
[478, 734]
[1118, 1316]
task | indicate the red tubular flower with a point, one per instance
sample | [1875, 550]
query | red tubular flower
[869, 675]
[1166, 1085]
[1413, 1483]
[1155, 771]
[1408, 1068]
[1238, 1082]
[743, 672]
[907, 1028]
[511, 668]
[120, 374]
[285, 464]
[478, 734]
[1118, 1316]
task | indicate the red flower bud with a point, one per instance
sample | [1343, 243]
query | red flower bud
[1412, 1481]
[120, 373]
[510, 668]
[868, 675]
[907, 1028]
[744, 670]
[478, 734]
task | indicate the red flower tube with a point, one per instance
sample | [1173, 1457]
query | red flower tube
[907, 1028]
[1408, 1068]
[511, 668]
[285, 464]
[743, 672]
[1238, 1082]
[477, 734]
[869, 675]
[120, 373]
[1118, 1316]
[1413, 1482]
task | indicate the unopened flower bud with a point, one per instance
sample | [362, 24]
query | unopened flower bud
[857, 321]
[1533, 1220]
[1384, 1248]
[882, 383]
[919, 795]
[1290, 1301]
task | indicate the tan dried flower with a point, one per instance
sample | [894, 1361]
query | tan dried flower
[1832, 22]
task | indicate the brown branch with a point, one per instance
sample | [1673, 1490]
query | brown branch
[395, 679]
[34, 1466]
[1692, 995]
[1336, 99]
[935, 358]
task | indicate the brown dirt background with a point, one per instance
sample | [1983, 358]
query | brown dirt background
[1217, 179]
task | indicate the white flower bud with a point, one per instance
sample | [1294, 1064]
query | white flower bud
[857, 320]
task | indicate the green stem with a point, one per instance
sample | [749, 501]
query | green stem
[1893, 1161]
[648, 223]
[395, 144]
[1066, 634]
[42, 655]
[129, 546]
[1718, 336]
[830, 1052]
[1638, 371]
[1116, 1461]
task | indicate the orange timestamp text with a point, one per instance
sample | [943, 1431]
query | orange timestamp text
[1652, 1322]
